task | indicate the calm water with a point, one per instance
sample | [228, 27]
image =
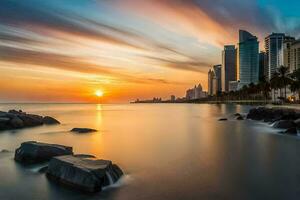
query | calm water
[167, 152]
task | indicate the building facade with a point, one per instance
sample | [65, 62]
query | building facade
[215, 80]
[263, 68]
[274, 52]
[228, 66]
[248, 58]
[287, 54]
[295, 56]
[195, 93]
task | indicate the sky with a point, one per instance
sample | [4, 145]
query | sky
[66, 50]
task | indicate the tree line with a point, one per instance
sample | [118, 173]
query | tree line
[281, 80]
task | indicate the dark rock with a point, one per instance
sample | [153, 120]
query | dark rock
[83, 130]
[272, 114]
[16, 122]
[35, 152]
[292, 131]
[237, 114]
[84, 156]
[4, 151]
[240, 118]
[43, 169]
[31, 120]
[223, 119]
[50, 120]
[88, 175]
[284, 124]
[297, 122]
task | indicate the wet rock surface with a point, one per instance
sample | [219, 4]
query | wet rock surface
[83, 130]
[14, 119]
[85, 174]
[36, 152]
[282, 118]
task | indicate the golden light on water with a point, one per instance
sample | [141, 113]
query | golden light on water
[99, 93]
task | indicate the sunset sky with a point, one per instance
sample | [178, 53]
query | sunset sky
[66, 50]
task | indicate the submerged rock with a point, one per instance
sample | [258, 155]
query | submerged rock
[223, 119]
[83, 130]
[34, 152]
[85, 174]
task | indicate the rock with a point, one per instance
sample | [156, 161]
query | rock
[292, 131]
[284, 124]
[85, 174]
[50, 120]
[297, 122]
[239, 118]
[4, 151]
[237, 114]
[83, 130]
[272, 114]
[16, 122]
[34, 152]
[4, 119]
[84, 156]
[31, 120]
[223, 119]
[43, 169]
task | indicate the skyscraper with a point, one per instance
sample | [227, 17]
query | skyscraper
[263, 69]
[274, 52]
[214, 80]
[248, 59]
[287, 53]
[228, 66]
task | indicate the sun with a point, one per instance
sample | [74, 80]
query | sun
[99, 93]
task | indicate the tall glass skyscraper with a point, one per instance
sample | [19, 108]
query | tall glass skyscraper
[274, 52]
[228, 66]
[248, 58]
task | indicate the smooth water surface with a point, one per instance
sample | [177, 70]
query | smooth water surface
[168, 151]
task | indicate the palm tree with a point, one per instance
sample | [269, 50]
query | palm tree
[295, 84]
[265, 87]
[275, 83]
[284, 78]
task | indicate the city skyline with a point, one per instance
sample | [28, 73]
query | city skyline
[64, 52]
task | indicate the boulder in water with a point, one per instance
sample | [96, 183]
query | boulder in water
[239, 118]
[83, 130]
[35, 152]
[292, 131]
[223, 119]
[50, 120]
[85, 174]
[284, 124]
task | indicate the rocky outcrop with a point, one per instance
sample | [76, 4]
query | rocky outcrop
[284, 124]
[273, 114]
[85, 174]
[35, 152]
[83, 130]
[18, 119]
[282, 118]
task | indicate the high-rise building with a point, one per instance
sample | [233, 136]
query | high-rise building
[287, 53]
[228, 66]
[274, 52]
[263, 69]
[295, 55]
[214, 80]
[248, 58]
[217, 82]
[211, 75]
